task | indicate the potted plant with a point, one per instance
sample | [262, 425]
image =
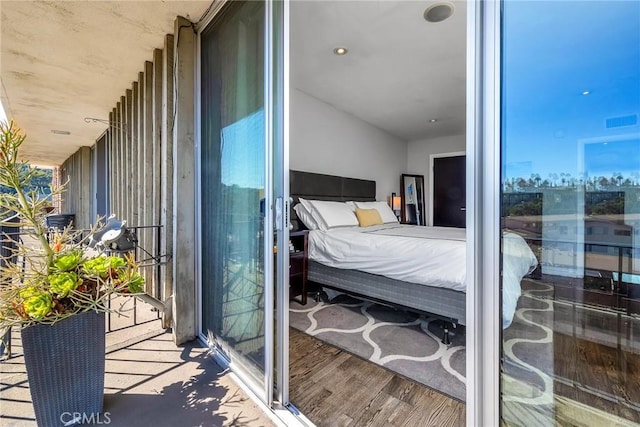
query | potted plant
[55, 288]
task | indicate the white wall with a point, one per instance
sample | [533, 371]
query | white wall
[327, 140]
[418, 153]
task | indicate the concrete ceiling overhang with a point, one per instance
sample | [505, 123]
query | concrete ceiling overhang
[62, 61]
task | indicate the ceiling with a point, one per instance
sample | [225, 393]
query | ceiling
[62, 61]
[400, 71]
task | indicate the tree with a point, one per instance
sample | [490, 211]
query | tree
[522, 183]
[537, 179]
[40, 181]
[603, 181]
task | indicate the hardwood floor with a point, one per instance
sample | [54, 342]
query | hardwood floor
[335, 388]
[599, 376]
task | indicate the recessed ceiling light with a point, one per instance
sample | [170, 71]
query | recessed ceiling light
[433, 120]
[438, 12]
[340, 51]
[586, 92]
[60, 132]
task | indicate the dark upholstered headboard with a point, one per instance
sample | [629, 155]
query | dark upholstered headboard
[316, 186]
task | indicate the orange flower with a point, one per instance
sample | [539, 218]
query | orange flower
[57, 243]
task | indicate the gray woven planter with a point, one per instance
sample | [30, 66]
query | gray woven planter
[65, 366]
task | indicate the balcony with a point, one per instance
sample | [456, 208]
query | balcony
[148, 381]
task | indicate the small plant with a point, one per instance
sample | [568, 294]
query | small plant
[47, 278]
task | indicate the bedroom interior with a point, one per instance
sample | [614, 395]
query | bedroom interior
[363, 125]
[394, 101]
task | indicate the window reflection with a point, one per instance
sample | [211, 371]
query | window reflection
[571, 188]
[232, 185]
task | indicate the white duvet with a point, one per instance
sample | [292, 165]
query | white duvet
[432, 256]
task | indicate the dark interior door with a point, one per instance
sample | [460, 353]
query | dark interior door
[449, 191]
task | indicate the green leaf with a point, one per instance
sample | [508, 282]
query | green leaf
[64, 283]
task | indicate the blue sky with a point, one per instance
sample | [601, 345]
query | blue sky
[553, 55]
[243, 152]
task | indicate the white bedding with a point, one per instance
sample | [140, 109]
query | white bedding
[432, 256]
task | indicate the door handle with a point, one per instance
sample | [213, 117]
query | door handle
[278, 218]
[286, 212]
[463, 209]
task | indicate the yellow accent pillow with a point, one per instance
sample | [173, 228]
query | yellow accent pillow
[368, 217]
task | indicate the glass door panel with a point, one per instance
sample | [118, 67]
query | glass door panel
[236, 196]
[570, 176]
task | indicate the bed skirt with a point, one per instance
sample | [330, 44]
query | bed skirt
[443, 302]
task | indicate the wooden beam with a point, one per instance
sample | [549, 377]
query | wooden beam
[156, 97]
[140, 165]
[147, 184]
[128, 165]
[118, 160]
[166, 171]
[84, 193]
[135, 141]
[111, 152]
[184, 254]
[123, 148]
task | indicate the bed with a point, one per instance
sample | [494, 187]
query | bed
[414, 267]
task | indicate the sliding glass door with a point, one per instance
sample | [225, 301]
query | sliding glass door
[570, 186]
[236, 194]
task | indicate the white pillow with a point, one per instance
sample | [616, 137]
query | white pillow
[383, 208]
[307, 204]
[305, 216]
[330, 214]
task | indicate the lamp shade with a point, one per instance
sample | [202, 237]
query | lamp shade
[395, 203]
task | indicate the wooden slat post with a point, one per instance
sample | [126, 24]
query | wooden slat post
[118, 162]
[140, 165]
[184, 255]
[110, 174]
[147, 183]
[166, 178]
[156, 148]
[128, 160]
[135, 141]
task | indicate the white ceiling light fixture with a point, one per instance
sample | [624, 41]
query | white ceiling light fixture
[438, 12]
[340, 51]
[433, 120]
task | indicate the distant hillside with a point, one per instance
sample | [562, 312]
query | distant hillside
[41, 182]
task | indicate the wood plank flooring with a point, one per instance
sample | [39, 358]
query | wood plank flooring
[605, 378]
[335, 388]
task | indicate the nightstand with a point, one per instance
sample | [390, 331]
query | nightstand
[298, 265]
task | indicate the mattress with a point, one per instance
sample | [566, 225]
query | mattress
[428, 256]
[432, 256]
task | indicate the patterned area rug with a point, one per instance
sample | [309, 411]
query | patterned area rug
[555, 354]
[569, 364]
[402, 342]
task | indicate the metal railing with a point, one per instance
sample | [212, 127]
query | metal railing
[149, 263]
[596, 280]
[9, 239]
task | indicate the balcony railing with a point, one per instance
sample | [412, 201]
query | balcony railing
[130, 312]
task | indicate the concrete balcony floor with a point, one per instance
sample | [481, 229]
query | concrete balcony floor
[149, 381]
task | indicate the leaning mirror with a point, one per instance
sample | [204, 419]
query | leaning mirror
[412, 199]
